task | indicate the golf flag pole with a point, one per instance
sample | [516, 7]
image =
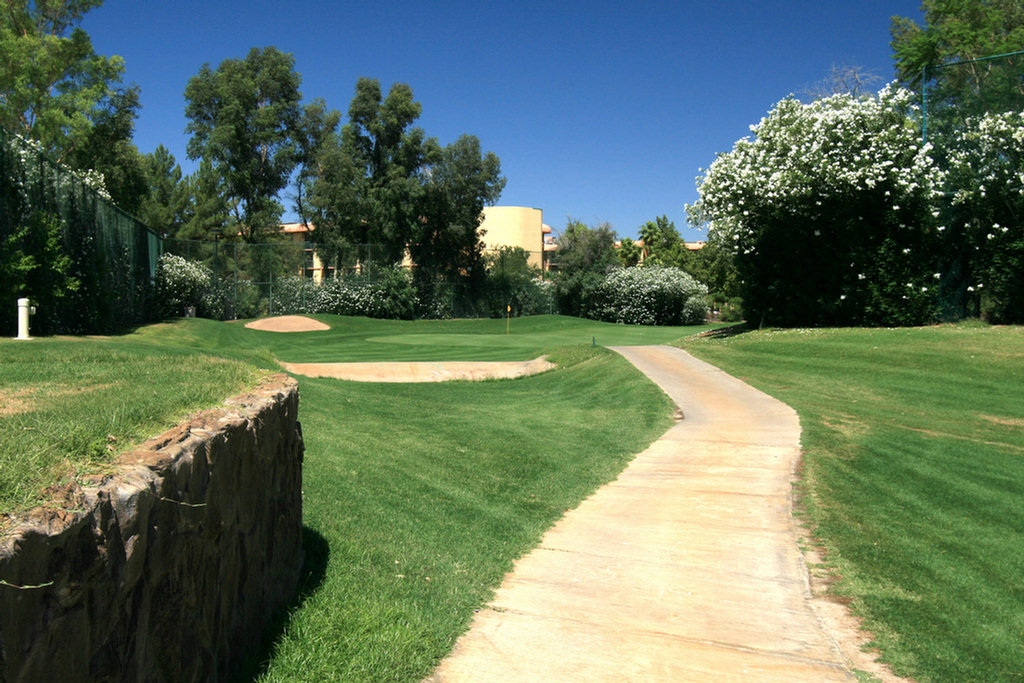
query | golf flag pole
[508, 318]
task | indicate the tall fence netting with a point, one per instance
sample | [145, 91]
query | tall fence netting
[85, 264]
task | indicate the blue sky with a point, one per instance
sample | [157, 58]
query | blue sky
[603, 111]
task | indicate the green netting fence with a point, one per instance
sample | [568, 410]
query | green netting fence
[86, 265]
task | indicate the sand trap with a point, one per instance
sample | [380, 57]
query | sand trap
[420, 372]
[288, 323]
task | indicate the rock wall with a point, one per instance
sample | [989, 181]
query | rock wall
[169, 568]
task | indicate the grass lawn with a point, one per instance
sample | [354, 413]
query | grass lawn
[914, 481]
[417, 497]
[363, 339]
[66, 404]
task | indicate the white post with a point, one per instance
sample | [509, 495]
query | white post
[23, 309]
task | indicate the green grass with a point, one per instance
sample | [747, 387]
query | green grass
[363, 339]
[914, 481]
[425, 495]
[417, 497]
[66, 405]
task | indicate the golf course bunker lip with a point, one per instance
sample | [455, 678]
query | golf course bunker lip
[288, 323]
[439, 371]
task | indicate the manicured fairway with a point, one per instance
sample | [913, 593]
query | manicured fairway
[362, 339]
[914, 463]
[417, 498]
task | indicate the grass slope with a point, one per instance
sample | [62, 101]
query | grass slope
[425, 495]
[417, 498]
[914, 464]
[68, 404]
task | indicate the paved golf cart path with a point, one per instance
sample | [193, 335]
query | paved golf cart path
[685, 568]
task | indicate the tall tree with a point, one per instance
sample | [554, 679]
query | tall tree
[461, 182]
[53, 86]
[316, 128]
[207, 213]
[585, 255]
[244, 118]
[164, 206]
[371, 186]
[944, 51]
[662, 243]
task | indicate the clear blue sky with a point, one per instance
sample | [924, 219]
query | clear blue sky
[603, 111]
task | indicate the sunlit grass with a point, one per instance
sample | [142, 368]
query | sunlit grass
[914, 481]
[67, 405]
[427, 493]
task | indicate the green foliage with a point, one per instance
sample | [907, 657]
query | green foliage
[34, 264]
[244, 118]
[514, 286]
[82, 260]
[53, 86]
[954, 31]
[370, 186]
[629, 253]
[985, 235]
[164, 206]
[714, 266]
[828, 213]
[386, 292]
[650, 295]
[586, 249]
[662, 244]
[382, 182]
[913, 478]
[461, 181]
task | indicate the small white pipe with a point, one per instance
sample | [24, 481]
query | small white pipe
[23, 309]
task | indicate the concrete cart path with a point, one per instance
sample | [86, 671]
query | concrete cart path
[685, 568]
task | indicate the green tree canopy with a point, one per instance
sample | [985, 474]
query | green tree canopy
[370, 186]
[54, 88]
[382, 187]
[662, 243]
[585, 249]
[951, 53]
[461, 180]
[244, 118]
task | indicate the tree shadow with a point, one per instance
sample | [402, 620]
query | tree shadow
[314, 569]
[726, 332]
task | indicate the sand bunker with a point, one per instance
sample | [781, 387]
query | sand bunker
[288, 323]
[420, 372]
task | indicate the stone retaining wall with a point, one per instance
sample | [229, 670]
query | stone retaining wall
[170, 568]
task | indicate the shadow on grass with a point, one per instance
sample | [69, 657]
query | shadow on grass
[314, 568]
[726, 332]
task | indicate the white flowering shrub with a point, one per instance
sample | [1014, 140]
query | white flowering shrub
[181, 284]
[828, 210]
[985, 225]
[386, 293]
[651, 295]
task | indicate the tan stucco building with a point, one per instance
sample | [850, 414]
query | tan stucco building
[518, 226]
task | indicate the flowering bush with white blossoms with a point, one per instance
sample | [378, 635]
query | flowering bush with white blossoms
[827, 209]
[985, 231]
[650, 295]
[180, 284]
[387, 293]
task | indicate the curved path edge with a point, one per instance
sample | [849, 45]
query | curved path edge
[685, 568]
